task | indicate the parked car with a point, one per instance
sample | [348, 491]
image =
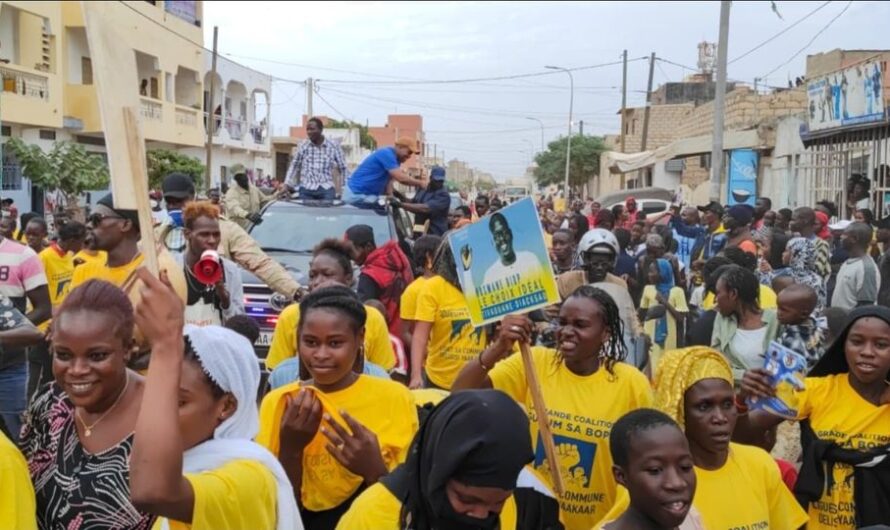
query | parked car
[649, 200]
[288, 233]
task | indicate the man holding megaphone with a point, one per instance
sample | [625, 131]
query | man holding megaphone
[214, 285]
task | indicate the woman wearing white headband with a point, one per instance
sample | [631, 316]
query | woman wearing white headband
[200, 398]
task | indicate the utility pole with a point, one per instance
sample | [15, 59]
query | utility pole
[623, 96]
[581, 128]
[211, 115]
[719, 104]
[310, 87]
[646, 112]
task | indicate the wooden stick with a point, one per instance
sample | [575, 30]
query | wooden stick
[139, 173]
[531, 378]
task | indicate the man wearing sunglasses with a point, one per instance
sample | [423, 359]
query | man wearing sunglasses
[116, 231]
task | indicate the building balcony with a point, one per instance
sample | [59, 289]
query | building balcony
[25, 82]
[186, 116]
[151, 110]
[30, 97]
[239, 134]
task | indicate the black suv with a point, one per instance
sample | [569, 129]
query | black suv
[288, 233]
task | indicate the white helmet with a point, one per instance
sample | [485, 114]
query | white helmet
[598, 239]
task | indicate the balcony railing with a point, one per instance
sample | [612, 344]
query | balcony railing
[25, 84]
[187, 117]
[151, 110]
[239, 129]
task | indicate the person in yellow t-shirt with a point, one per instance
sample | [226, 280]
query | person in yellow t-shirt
[330, 265]
[335, 431]
[586, 388]
[17, 504]
[444, 337]
[193, 463]
[654, 465]
[738, 486]
[424, 255]
[461, 472]
[846, 402]
[89, 253]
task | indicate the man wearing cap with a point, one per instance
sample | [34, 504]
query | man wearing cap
[429, 206]
[235, 244]
[312, 166]
[244, 200]
[737, 222]
[711, 238]
[374, 176]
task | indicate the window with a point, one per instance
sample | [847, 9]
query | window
[86, 71]
[12, 173]
[47, 135]
[5, 130]
[90, 140]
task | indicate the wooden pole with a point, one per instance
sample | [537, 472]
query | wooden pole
[534, 388]
[138, 169]
[623, 96]
[211, 115]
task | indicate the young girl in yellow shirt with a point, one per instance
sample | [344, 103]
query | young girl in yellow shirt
[335, 431]
[200, 395]
[845, 427]
[586, 388]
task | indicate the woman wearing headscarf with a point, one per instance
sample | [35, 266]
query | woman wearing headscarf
[800, 256]
[845, 427]
[739, 486]
[200, 396]
[460, 473]
[662, 293]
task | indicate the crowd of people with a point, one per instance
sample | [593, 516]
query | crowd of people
[129, 400]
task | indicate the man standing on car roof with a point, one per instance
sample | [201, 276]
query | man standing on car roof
[312, 166]
[234, 244]
[429, 206]
[375, 175]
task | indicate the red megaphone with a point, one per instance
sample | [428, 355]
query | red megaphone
[209, 269]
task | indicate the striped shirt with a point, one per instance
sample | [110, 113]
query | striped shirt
[313, 165]
[20, 271]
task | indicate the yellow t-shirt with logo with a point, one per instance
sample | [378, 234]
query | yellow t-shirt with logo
[378, 509]
[408, 303]
[839, 414]
[59, 270]
[747, 492]
[768, 299]
[582, 410]
[240, 494]
[17, 504]
[386, 408]
[378, 348]
[453, 339]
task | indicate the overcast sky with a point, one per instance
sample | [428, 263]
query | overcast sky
[365, 56]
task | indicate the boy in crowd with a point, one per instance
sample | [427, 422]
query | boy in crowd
[858, 280]
[646, 439]
[799, 330]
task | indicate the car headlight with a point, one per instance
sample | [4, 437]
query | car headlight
[278, 301]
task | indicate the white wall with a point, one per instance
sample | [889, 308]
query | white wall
[9, 33]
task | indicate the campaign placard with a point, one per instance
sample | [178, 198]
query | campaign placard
[503, 264]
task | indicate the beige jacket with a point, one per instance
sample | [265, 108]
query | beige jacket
[240, 203]
[237, 245]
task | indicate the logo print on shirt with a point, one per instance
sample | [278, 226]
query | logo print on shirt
[575, 457]
[457, 328]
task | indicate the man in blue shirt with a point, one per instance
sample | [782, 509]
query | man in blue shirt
[374, 176]
[429, 205]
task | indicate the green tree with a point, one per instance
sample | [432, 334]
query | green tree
[67, 168]
[365, 139]
[162, 162]
[585, 162]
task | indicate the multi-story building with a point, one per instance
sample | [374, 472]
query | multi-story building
[49, 92]
[240, 120]
[398, 126]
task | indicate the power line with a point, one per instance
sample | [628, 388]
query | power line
[811, 41]
[478, 79]
[779, 34]
[317, 93]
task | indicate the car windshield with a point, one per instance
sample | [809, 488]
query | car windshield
[300, 229]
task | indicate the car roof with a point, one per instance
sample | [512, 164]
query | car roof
[323, 205]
